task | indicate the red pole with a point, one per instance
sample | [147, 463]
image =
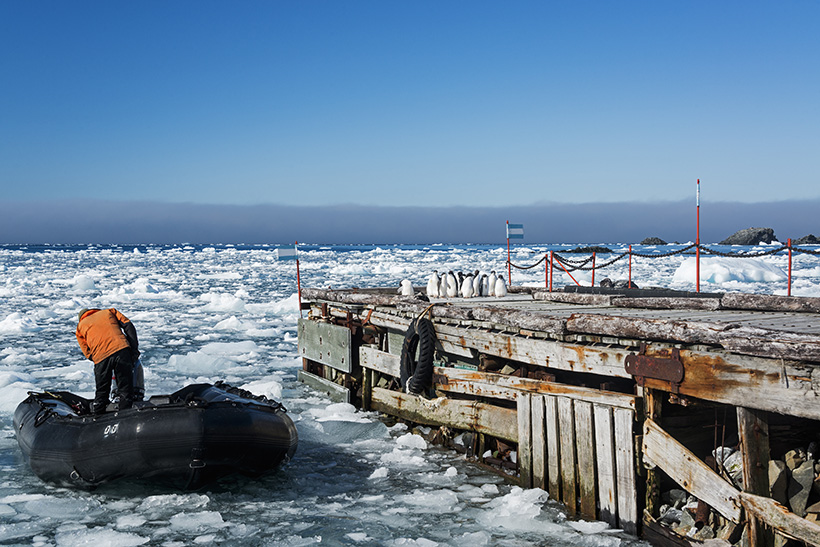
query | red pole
[298, 281]
[593, 268]
[509, 267]
[630, 266]
[550, 271]
[789, 292]
[697, 243]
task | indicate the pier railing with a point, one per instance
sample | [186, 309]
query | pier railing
[569, 265]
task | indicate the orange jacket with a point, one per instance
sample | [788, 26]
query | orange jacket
[100, 333]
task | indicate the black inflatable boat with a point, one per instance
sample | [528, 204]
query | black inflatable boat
[193, 437]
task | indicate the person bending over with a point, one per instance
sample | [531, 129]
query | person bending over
[109, 339]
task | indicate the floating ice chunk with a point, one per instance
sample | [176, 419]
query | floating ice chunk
[403, 457]
[232, 324]
[17, 323]
[197, 521]
[358, 537]
[720, 270]
[408, 542]
[451, 472]
[65, 507]
[130, 521]
[339, 412]
[518, 510]
[216, 302]
[379, 473]
[411, 441]
[437, 501]
[83, 283]
[6, 510]
[476, 539]
[271, 389]
[98, 536]
[588, 527]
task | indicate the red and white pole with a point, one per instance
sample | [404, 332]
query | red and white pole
[298, 280]
[789, 292]
[509, 267]
[697, 243]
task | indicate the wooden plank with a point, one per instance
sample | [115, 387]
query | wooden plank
[753, 431]
[325, 343]
[625, 469]
[566, 432]
[682, 466]
[380, 361]
[336, 393]
[780, 518]
[585, 450]
[459, 414]
[605, 463]
[525, 440]
[502, 386]
[539, 443]
[553, 443]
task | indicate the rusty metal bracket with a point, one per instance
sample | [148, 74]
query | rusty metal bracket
[664, 365]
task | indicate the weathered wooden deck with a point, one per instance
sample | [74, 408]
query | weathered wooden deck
[580, 384]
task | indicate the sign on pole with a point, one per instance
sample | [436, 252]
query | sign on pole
[514, 231]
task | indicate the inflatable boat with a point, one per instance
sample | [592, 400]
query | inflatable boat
[190, 438]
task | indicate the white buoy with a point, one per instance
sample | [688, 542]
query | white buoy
[491, 284]
[500, 287]
[433, 285]
[406, 288]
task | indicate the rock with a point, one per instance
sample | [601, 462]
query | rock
[816, 484]
[593, 249]
[779, 481]
[687, 524]
[807, 240]
[653, 241]
[704, 533]
[814, 509]
[750, 236]
[671, 516]
[800, 487]
[733, 464]
[624, 284]
[675, 497]
[716, 543]
[794, 458]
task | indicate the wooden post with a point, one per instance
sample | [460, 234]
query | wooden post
[539, 444]
[553, 442]
[525, 439]
[654, 403]
[625, 462]
[605, 459]
[753, 430]
[367, 388]
[566, 432]
[585, 443]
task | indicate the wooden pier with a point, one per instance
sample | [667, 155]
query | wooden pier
[610, 400]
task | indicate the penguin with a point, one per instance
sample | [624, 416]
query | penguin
[500, 287]
[467, 286]
[452, 285]
[460, 282]
[476, 284]
[491, 284]
[406, 288]
[442, 288]
[485, 285]
[433, 284]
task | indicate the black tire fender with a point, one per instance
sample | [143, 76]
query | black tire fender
[417, 375]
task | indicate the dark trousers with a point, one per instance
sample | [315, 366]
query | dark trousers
[121, 364]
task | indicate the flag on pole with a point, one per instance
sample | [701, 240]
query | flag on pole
[286, 252]
[515, 231]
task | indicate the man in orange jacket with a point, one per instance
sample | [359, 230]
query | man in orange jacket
[109, 339]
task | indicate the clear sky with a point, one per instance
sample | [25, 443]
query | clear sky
[409, 103]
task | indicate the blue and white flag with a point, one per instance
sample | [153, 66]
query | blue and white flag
[286, 252]
[515, 231]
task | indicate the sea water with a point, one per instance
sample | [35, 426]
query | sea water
[208, 313]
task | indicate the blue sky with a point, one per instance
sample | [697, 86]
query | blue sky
[409, 103]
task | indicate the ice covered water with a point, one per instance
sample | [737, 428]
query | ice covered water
[208, 313]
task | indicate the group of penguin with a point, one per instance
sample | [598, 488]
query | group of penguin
[454, 285]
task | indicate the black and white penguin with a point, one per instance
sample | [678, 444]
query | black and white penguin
[491, 284]
[433, 285]
[500, 287]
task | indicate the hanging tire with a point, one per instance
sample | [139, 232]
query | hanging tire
[417, 375]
